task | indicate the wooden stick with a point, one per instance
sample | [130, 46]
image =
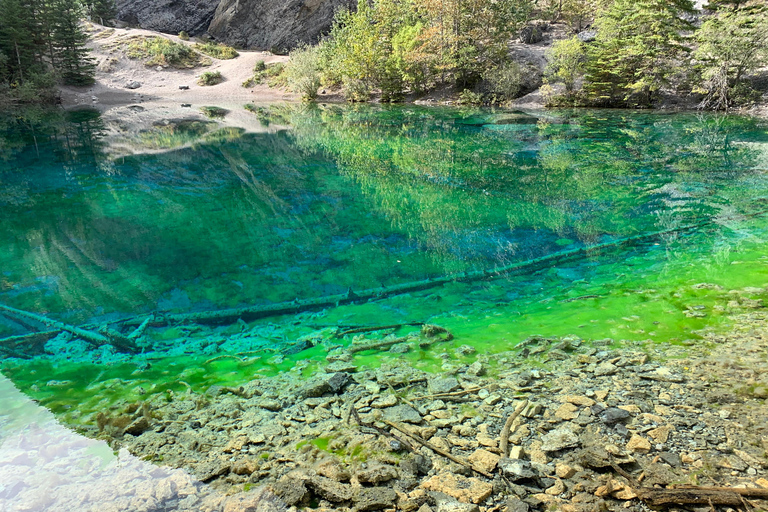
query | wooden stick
[373, 329]
[374, 346]
[141, 328]
[695, 495]
[504, 437]
[438, 450]
[381, 431]
[94, 338]
[447, 395]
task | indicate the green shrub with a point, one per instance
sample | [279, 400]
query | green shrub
[271, 74]
[470, 97]
[214, 112]
[183, 36]
[259, 66]
[159, 51]
[509, 81]
[303, 72]
[217, 50]
[211, 78]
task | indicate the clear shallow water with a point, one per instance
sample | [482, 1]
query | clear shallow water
[353, 198]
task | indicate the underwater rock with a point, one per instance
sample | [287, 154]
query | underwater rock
[517, 469]
[402, 414]
[329, 489]
[375, 498]
[291, 489]
[559, 439]
[138, 427]
[376, 473]
[443, 385]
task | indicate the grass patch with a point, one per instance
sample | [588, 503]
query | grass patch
[210, 78]
[271, 74]
[214, 112]
[159, 51]
[217, 50]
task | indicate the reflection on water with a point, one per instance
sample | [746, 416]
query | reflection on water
[46, 467]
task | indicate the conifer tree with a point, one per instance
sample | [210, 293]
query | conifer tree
[101, 11]
[74, 62]
[639, 43]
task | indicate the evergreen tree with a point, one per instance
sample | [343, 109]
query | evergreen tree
[101, 11]
[731, 44]
[639, 43]
[18, 33]
[74, 62]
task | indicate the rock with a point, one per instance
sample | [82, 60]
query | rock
[587, 36]
[133, 85]
[334, 470]
[613, 415]
[340, 366]
[327, 384]
[556, 489]
[579, 400]
[485, 460]
[531, 34]
[559, 439]
[169, 16]
[465, 350]
[138, 426]
[604, 369]
[662, 375]
[443, 385]
[256, 501]
[516, 452]
[373, 498]
[517, 469]
[661, 434]
[387, 400]
[456, 506]
[476, 369]
[638, 444]
[564, 471]
[567, 411]
[276, 26]
[517, 505]
[211, 469]
[400, 348]
[377, 473]
[184, 88]
[466, 490]
[402, 414]
[269, 404]
[329, 489]
[337, 381]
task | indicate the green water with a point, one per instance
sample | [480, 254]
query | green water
[202, 216]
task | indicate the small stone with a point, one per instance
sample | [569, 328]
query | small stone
[465, 350]
[133, 85]
[517, 469]
[517, 452]
[337, 381]
[661, 434]
[330, 490]
[760, 392]
[456, 506]
[567, 411]
[269, 404]
[557, 489]
[638, 444]
[762, 482]
[388, 400]
[402, 414]
[485, 460]
[580, 400]
[559, 439]
[443, 385]
[662, 375]
[138, 426]
[604, 369]
[517, 505]
[601, 394]
[377, 473]
[373, 498]
[564, 471]
[613, 415]
[340, 366]
[476, 369]
[631, 408]
[400, 348]
[466, 490]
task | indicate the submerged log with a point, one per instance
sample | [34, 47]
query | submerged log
[107, 337]
[249, 313]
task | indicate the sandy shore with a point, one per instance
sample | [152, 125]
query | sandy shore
[115, 71]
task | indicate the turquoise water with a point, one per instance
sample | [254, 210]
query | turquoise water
[338, 200]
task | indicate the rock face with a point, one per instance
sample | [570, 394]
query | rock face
[170, 16]
[249, 24]
[270, 25]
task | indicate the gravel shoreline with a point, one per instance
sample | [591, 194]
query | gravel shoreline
[347, 440]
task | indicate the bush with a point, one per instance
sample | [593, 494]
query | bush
[159, 51]
[217, 50]
[211, 78]
[303, 72]
[259, 66]
[214, 112]
[183, 36]
[271, 74]
[510, 81]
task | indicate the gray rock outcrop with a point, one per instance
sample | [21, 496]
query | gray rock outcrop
[276, 26]
[249, 24]
[169, 16]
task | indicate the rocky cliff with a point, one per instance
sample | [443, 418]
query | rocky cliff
[252, 24]
[170, 16]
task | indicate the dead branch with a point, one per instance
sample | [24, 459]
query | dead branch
[507, 430]
[448, 395]
[380, 430]
[374, 329]
[375, 346]
[440, 451]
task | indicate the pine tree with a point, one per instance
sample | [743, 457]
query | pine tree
[639, 43]
[18, 33]
[101, 11]
[74, 62]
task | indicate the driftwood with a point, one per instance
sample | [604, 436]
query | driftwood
[440, 451]
[696, 495]
[373, 329]
[141, 328]
[448, 395]
[249, 313]
[380, 430]
[505, 432]
[352, 349]
[106, 337]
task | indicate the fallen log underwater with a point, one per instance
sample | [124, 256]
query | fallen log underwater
[249, 313]
[13, 345]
